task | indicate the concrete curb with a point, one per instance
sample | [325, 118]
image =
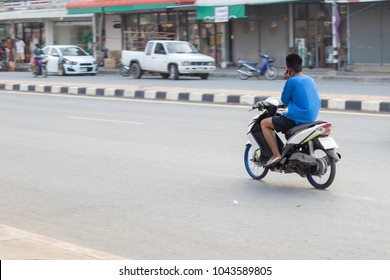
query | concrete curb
[211, 98]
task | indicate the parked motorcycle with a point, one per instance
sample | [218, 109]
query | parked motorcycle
[248, 69]
[3, 60]
[308, 150]
[38, 67]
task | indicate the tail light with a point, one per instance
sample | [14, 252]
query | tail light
[325, 129]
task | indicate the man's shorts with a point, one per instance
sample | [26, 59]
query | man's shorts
[19, 56]
[281, 123]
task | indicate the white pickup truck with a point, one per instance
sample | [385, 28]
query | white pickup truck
[168, 58]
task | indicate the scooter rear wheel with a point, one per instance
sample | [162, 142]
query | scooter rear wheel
[252, 163]
[327, 166]
[124, 71]
[243, 76]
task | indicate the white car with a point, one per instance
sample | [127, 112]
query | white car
[69, 60]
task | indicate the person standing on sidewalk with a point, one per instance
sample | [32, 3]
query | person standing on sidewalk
[19, 45]
[301, 95]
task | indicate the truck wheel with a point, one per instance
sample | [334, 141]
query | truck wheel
[173, 72]
[204, 76]
[135, 70]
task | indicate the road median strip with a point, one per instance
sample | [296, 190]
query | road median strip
[195, 96]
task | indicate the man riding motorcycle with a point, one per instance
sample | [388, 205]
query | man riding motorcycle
[37, 59]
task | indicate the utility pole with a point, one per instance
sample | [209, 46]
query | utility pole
[334, 36]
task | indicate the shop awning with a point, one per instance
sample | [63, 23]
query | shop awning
[98, 6]
[208, 12]
[353, 1]
[238, 2]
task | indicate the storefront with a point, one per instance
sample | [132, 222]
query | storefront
[246, 28]
[42, 25]
[272, 27]
[139, 21]
[313, 34]
[216, 30]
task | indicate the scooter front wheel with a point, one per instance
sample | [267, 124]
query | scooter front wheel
[271, 73]
[252, 163]
[326, 170]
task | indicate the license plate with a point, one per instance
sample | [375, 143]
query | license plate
[83, 69]
[328, 143]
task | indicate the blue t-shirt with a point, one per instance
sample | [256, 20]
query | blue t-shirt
[301, 94]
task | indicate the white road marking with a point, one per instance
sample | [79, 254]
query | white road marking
[105, 120]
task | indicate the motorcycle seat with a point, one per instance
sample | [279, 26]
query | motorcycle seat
[290, 132]
[253, 64]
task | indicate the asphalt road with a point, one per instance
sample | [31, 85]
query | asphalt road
[160, 180]
[213, 83]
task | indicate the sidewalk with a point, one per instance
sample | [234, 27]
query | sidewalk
[16, 244]
[316, 73]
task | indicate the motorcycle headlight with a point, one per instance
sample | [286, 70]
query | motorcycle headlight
[186, 63]
[67, 61]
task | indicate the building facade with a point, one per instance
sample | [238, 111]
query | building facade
[41, 22]
[227, 30]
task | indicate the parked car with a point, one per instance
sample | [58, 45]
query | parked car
[170, 59]
[69, 60]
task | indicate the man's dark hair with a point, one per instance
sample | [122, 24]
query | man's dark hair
[37, 45]
[294, 62]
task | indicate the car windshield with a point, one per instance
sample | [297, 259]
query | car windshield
[182, 47]
[72, 51]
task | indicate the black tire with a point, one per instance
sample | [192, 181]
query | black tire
[44, 72]
[204, 76]
[173, 72]
[271, 73]
[124, 71]
[33, 70]
[135, 71]
[252, 163]
[327, 170]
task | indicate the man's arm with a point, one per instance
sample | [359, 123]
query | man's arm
[287, 92]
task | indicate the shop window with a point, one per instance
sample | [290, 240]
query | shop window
[148, 22]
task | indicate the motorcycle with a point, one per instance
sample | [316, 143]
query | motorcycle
[308, 150]
[38, 67]
[248, 69]
[3, 61]
[124, 70]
